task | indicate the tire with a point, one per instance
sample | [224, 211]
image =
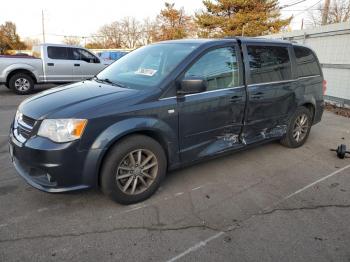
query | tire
[21, 83]
[118, 169]
[291, 138]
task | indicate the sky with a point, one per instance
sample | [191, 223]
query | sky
[83, 18]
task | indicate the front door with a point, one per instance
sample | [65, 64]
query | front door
[89, 64]
[271, 88]
[211, 121]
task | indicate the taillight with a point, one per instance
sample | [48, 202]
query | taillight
[324, 87]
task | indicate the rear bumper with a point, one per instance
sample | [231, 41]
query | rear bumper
[319, 108]
[53, 167]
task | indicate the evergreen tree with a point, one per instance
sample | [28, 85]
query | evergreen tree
[232, 17]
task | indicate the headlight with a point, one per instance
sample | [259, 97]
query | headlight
[62, 130]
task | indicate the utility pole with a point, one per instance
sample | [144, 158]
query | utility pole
[325, 11]
[302, 24]
[43, 24]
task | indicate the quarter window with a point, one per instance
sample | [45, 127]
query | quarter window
[218, 67]
[307, 64]
[269, 64]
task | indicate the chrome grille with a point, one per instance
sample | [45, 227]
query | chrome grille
[24, 132]
[29, 121]
[23, 127]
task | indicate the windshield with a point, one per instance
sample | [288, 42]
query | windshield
[147, 66]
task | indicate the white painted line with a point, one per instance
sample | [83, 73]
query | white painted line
[3, 225]
[179, 194]
[314, 183]
[196, 246]
[196, 188]
[135, 208]
[206, 241]
[43, 209]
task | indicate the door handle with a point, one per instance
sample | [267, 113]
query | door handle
[257, 95]
[50, 64]
[76, 64]
[236, 98]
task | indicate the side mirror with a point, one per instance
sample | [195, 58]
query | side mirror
[191, 86]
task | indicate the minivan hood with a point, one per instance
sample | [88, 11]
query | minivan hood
[63, 98]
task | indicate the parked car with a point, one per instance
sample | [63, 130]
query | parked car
[110, 56]
[49, 64]
[162, 107]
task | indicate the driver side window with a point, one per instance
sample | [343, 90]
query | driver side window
[219, 68]
[87, 57]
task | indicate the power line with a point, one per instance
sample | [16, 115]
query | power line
[289, 5]
[307, 9]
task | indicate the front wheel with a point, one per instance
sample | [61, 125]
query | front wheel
[133, 169]
[298, 128]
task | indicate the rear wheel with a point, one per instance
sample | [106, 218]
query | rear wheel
[133, 169]
[21, 83]
[298, 128]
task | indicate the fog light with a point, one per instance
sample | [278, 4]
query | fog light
[49, 178]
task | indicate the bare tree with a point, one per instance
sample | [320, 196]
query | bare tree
[71, 40]
[339, 11]
[110, 35]
[149, 28]
[30, 42]
[132, 31]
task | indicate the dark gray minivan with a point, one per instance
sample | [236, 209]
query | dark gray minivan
[164, 106]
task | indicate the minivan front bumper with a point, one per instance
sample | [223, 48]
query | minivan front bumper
[53, 167]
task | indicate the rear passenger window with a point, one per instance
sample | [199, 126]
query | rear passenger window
[55, 52]
[307, 64]
[218, 67]
[269, 64]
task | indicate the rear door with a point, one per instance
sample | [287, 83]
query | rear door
[271, 89]
[211, 121]
[58, 66]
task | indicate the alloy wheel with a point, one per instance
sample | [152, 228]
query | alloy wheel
[22, 84]
[301, 127]
[137, 171]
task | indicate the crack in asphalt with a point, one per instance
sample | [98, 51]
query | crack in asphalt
[161, 229]
[303, 208]
[109, 231]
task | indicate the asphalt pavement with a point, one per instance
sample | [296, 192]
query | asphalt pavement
[269, 203]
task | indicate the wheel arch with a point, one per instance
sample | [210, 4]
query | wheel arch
[149, 133]
[159, 132]
[309, 102]
[21, 71]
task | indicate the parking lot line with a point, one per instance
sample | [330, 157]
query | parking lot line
[317, 181]
[196, 246]
[219, 234]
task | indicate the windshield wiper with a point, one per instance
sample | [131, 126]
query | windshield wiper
[106, 80]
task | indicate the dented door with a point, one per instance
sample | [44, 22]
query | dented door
[271, 90]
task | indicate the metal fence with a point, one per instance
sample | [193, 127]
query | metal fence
[332, 46]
